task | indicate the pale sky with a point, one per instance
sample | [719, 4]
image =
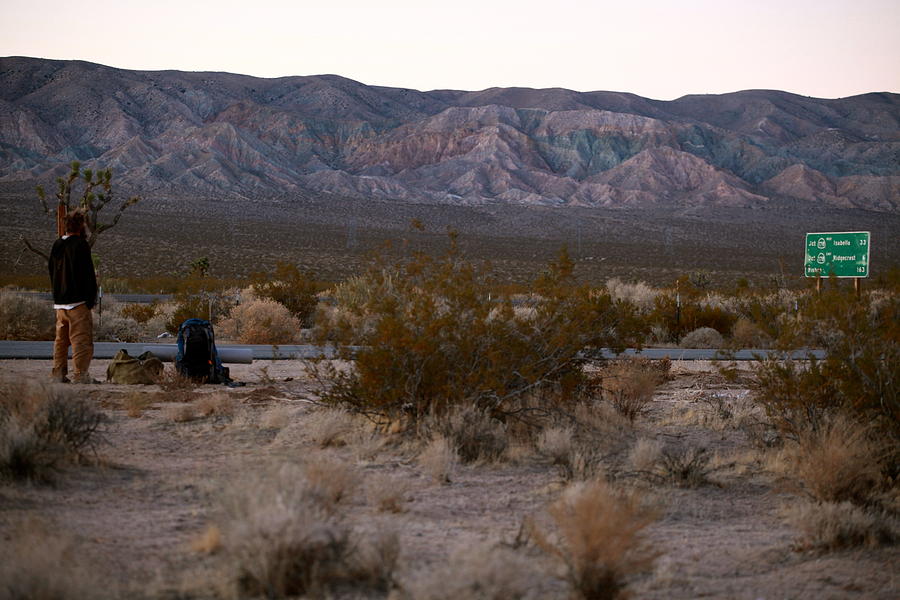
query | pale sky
[654, 48]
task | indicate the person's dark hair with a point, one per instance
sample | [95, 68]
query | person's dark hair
[75, 222]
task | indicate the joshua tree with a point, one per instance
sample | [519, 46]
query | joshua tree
[97, 192]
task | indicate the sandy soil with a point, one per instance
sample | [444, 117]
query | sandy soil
[135, 515]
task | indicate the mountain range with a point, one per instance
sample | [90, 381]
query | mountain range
[171, 134]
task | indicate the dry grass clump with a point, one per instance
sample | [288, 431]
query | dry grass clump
[281, 537]
[261, 321]
[387, 493]
[439, 459]
[720, 411]
[208, 542]
[330, 480]
[475, 435]
[645, 455]
[218, 404]
[38, 563]
[43, 425]
[684, 467]
[276, 417]
[839, 462]
[25, 318]
[366, 443]
[557, 444]
[175, 387]
[136, 403]
[180, 413]
[587, 442]
[827, 526]
[740, 411]
[329, 426]
[702, 337]
[485, 573]
[579, 456]
[599, 539]
[629, 385]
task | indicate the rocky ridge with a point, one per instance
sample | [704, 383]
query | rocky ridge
[170, 133]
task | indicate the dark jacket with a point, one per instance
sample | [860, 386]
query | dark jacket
[72, 272]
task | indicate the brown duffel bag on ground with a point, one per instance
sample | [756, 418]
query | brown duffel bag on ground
[143, 369]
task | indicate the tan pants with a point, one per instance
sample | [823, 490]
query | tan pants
[74, 327]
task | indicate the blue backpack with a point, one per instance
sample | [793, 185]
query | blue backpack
[197, 357]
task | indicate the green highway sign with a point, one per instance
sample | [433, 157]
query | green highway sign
[842, 254]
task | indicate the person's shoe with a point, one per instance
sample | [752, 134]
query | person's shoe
[85, 378]
[59, 379]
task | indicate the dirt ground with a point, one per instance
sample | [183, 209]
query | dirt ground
[136, 516]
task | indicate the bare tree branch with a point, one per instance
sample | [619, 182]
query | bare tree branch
[28, 245]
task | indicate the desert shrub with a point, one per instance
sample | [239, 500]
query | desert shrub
[25, 318]
[859, 375]
[704, 337]
[600, 539]
[38, 562]
[159, 323]
[114, 326]
[439, 341]
[261, 322]
[827, 526]
[772, 314]
[695, 312]
[42, 426]
[357, 292]
[747, 334]
[140, 313]
[473, 432]
[483, 573]
[629, 385]
[838, 461]
[640, 294]
[289, 287]
[281, 537]
[188, 307]
[199, 297]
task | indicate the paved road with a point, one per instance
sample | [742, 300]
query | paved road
[125, 298]
[44, 351]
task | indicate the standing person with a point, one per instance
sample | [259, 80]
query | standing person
[74, 295]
